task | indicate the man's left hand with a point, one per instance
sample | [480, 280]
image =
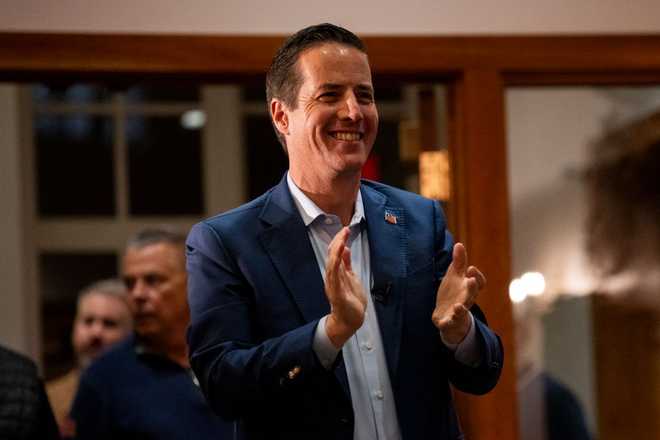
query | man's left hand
[456, 294]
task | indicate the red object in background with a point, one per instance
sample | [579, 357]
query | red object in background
[371, 169]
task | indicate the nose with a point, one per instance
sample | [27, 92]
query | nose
[351, 109]
[138, 292]
[97, 328]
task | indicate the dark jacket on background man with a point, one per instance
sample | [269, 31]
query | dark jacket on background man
[24, 409]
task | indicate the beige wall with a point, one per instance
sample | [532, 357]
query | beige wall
[18, 328]
[367, 16]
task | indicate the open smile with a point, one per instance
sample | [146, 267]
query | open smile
[350, 136]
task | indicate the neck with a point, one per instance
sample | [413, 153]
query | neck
[176, 351]
[334, 194]
[179, 354]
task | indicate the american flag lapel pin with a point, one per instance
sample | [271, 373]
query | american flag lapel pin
[390, 218]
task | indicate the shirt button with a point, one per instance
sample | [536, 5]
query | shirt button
[367, 346]
[379, 395]
[328, 221]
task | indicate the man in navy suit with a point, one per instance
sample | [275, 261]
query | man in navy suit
[328, 307]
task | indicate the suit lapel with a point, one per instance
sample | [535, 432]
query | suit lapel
[285, 240]
[387, 252]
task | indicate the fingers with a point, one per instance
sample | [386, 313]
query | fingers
[473, 272]
[335, 251]
[339, 278]
[472, 292]
[352, 286]
[460, 311]
[346, 259]
[337, 246]
[332, 266]
[458, 314]
[348, 279]
[459, 259]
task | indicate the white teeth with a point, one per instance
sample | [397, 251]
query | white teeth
[347, 136]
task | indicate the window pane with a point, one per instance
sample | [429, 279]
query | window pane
[164, 167]
[62, 277]
[70, 93]
[177, 92]
[387, 90]
[385, 156]
[254, 92]
[74, 164]
[265, 158]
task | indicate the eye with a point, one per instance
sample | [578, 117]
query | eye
[153, 279]
[328, 96]
[365, 97]
[109, 323]
[129, 283]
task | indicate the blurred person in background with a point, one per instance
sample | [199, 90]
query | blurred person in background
[144, 387]
[549, 410]
[103, 318]
[623, 241]
[24, 410]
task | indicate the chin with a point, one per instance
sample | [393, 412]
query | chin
[145, 329]
[352, 165]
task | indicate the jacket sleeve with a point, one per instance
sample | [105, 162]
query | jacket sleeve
[482, 378]
[238, 368]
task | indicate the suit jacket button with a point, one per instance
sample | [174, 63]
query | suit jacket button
[294, 372]
[343, 420]
[494, 364]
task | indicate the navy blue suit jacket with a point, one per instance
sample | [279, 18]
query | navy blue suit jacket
[256, 295]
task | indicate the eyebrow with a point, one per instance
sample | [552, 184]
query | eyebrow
[334, 86]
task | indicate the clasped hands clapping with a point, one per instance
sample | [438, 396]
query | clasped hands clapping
[456, 294]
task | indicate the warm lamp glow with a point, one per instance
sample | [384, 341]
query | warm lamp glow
[517, 291]
[434, 174]
[534, 283]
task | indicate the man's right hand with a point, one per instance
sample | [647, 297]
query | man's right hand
[348, 302]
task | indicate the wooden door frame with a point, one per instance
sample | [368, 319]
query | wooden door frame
[477, 69]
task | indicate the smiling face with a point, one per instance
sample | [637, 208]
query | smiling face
[333, 127]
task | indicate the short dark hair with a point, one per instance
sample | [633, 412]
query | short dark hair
[283, 80]
[159, 234]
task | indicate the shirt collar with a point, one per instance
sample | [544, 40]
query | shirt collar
[309, 211]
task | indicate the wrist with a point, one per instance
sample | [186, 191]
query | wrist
[452, 336]
[337, 332]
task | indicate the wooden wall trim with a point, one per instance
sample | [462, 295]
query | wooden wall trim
[228, 56]
[135, 54]
[480, 204]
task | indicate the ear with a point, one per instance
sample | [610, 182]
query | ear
[280, 116]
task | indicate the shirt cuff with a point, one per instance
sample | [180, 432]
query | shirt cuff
[323, 347]
[466, 351]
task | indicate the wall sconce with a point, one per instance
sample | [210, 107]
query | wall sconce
[434, 174]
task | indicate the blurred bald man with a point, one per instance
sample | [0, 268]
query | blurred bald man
[103, 318]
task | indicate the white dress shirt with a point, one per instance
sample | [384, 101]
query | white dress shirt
[364, 355]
